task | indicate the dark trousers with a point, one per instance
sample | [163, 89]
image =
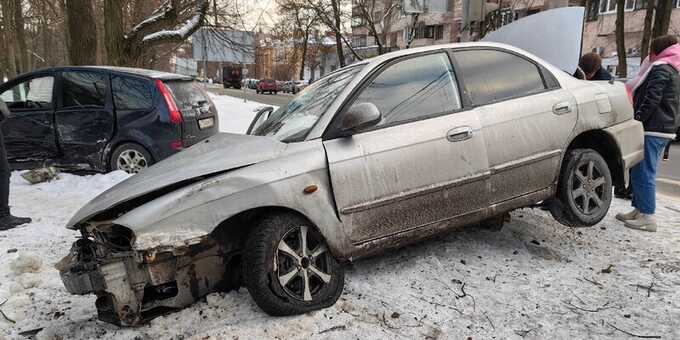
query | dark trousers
[4, 178]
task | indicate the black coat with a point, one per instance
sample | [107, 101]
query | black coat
[657, 104]
[601, 74]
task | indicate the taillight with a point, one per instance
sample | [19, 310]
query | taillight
[175, 115]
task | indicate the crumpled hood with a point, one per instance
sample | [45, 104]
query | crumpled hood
[216, 154]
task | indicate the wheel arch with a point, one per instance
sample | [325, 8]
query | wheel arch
[108, 152]
[604, 144]
[232, 233]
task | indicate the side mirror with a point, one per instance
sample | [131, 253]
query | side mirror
[260, 117]
[360, 116]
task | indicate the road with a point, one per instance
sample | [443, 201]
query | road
[269, 99]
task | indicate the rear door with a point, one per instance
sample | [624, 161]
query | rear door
[526, 118]
[424, 163]
[199, 116]
[29, 130]
[84, 119]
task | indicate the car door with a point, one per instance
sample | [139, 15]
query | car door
[425, 162]
[84, 118]
[29, 131]
[526, 118]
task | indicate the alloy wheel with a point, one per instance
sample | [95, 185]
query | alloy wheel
[302, 263]
[588, 188]
[131, 161]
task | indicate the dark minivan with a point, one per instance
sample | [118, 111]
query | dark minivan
[103, 118]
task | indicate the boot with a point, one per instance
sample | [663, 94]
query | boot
[9, 221]
[643, 222]
[623, 217]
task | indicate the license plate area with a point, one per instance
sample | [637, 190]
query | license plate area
[206, 123]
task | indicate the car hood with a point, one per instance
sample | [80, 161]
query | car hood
[215, 155]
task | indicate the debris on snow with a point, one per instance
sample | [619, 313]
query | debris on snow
[41, 175]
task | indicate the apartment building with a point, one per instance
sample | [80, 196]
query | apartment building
[599, 31]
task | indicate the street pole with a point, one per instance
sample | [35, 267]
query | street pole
[465, 22]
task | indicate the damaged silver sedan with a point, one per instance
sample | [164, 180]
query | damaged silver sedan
[374, 156]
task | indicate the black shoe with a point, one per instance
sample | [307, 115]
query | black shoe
[8, 222]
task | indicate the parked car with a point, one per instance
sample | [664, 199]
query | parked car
[103, 118]
[232, 76]
[252, 84]
[267, 85]
[374, 156]
[293, 86]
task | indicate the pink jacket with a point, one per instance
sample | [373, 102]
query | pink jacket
[670, 56]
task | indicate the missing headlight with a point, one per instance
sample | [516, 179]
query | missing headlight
[114, 236]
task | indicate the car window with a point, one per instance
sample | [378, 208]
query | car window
[35, 93]
[413, 88]
[293, 121]
[131, 93]
[491, 75]
[187, 93]
[84, 89]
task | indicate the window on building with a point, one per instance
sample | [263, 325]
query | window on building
[439, 32]
[359, 40]
[437, 5]
[491, 76]
[640, 4]
[414, 88]
[630, 5]
[84, 89]
[676, 4]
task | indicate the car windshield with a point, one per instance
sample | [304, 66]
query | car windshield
[292, 122]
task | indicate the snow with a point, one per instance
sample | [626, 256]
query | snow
[235, 116]
[533, 279]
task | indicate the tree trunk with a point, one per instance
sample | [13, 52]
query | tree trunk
[337, 21]
[9, 38]
[19, 32]
[662, 20]
[114, 32]
[647, 30]
[305, 43]
[81, 26]
[621, 68]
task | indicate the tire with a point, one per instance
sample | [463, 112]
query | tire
[263, 261]
[584, 190]
[276, 92]
[131, 158]
[257, 91]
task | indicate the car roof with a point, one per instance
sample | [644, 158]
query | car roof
[126, 70]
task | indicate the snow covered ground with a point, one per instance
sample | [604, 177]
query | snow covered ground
[534, 279]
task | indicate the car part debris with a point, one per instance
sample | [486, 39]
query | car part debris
[46, 174]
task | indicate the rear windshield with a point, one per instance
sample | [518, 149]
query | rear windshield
[187, 93]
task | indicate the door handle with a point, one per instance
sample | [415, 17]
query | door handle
[459, 134]
[561, 108]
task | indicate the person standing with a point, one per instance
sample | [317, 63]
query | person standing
[7, 220]
[656, 97]
[591, 64]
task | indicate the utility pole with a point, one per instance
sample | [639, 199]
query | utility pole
[465, 22]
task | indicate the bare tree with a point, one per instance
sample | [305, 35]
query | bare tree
[647, 30]
[334, 21]
[305, 19]
[621, 68]
[171, 22]
[662, 19]
[377, 14]
[82, 28]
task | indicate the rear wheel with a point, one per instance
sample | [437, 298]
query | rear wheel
[131, 158]
[288, 268]
[584, 191]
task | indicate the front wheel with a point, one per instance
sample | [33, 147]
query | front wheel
[584, 191]
[288, 268]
